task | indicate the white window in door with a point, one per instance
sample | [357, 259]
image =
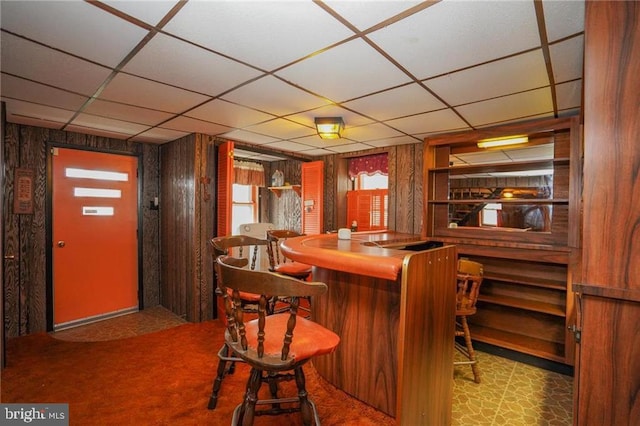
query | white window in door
[245, 205]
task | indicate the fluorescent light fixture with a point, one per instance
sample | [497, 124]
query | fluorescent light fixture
[329, 127]
[504, 141]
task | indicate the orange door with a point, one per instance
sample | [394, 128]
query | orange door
[312, 197]
[95, 247]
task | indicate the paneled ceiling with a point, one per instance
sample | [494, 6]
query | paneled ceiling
[259, 72]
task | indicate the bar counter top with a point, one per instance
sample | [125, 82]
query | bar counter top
[377, 254]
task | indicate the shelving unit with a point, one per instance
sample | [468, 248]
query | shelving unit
[526, 299]
[278, 189]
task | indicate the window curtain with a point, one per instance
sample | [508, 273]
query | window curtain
[369, 164]
[248, 173]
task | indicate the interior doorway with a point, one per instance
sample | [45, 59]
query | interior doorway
[94, 217]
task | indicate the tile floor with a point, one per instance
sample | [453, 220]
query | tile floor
[511, 393]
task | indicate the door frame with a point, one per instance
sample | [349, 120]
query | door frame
[49, 220]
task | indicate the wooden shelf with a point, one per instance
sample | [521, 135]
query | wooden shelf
[527, 280]
[278, 189]
[502, 167]
[530, 345]
[529, 305]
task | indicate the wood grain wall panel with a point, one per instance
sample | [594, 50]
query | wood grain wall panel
[331, 215]
[11, 224]
[404, 188]
[393, 189]
[418, 193]
[207, 205]
[151, 220]
[26, 278]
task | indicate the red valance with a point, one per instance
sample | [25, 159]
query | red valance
[369, 164]
[248, 173]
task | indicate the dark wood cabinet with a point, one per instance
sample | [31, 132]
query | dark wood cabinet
[519, 219]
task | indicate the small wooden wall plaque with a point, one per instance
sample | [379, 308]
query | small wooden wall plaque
[23, 191]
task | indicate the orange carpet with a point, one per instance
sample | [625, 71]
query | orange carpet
[162, 378]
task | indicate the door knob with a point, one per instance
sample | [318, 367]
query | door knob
[61, 244]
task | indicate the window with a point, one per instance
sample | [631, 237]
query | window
[245, 205]
[375, 181]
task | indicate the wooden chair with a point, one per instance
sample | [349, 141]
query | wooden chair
[280, 264]
[275, 346]
[244, 250]
[469, 279]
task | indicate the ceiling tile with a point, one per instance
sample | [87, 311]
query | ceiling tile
[228, 114]
[289, 146]
[566, 58]
[158, 135]
[25, 90]
[187, 66]
[451, 35]
[30, 113]
[127, 112]
[563, 18]
[569, 95]
[370, 132]
[272, 95]
[133, 90]
[141, 10]
[108, 124]
[249, 137]
[437, 121]
[536, 152]
[345, 72]
[400, 102]
[515, 74]
[35, 62]
[401, 140]
[267, 34]
[348, 148]
[105, 39]
[97, 132]
[282, 129]
[364, 14]
[317, 142]
[519, 106]
[192, 125]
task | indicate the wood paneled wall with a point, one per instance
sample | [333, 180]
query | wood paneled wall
[405, 188]
[25, 284]
[187, 223]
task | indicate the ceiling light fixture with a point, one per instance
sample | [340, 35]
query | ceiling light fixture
[503, 141]
[329, 127]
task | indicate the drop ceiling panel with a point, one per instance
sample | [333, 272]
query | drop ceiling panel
[563, 18]
[249, 137]
[26, 90]
[364, 14]
[569, 95]
[188, 124]
[402, 140]
[141, 10]
[362, 70]
[228, 114]
[451, 35]
[269, 94]
[266, 34]
[159, 135]
[514, 74]
[437, 121]
[289, 146]
[351, 119]
[35, 62]
[127, 112]
[515, 107]
[535, 152]
[106, 39]
[370, 132]
[282, 129]
[400, 102]
[108, 124]
[133, 90]
[344, 148]
[566, 58]
[30, 111]
[187, 66]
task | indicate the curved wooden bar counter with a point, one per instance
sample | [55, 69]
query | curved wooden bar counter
[394, 310]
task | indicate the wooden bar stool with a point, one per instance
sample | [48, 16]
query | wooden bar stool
[244, 250]
[280, 264]
[275, 346]
[469, 279]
